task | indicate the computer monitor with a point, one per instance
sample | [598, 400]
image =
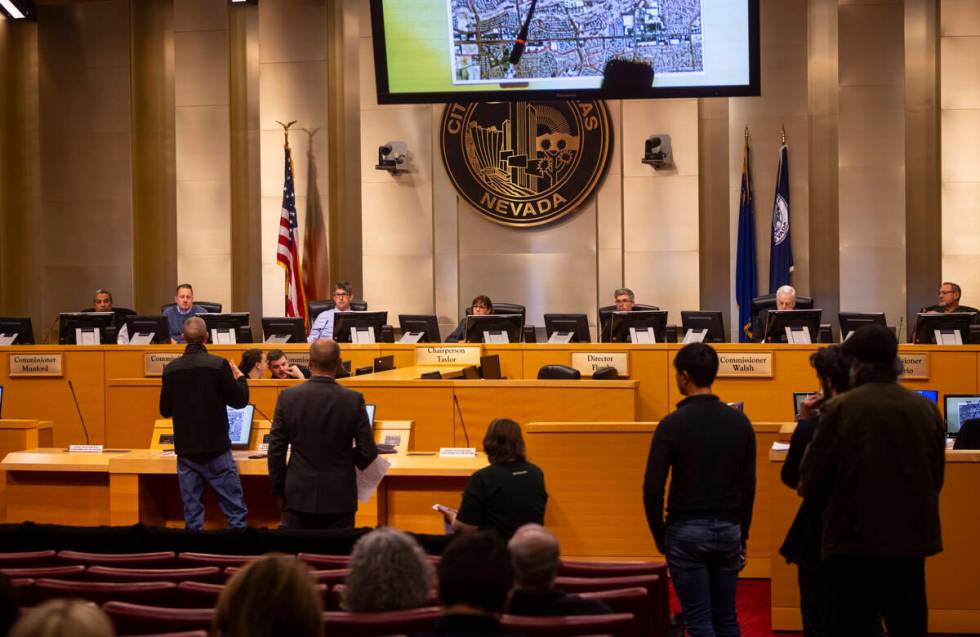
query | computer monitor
[710, 320]
[425, 324]
[926, 324]
[366, 325]
[498, 326]
[798, 398]
[490, 367]
[144, 330]
[850, 321]
[369, 408]
[1, 401]
[960, 407]
[779, 320]
[576, 325]
[639, 320]
[283, 329]
[240, 425]
[931, 394]
[223, 328]
[86, 328]
[384, 363]
[16, 330]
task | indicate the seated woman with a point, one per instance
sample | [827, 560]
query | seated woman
[253, 364]
[481, 305]
[509, 493]
[389, 571]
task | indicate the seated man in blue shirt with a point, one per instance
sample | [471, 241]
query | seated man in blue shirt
[183, 309]
[323, 324]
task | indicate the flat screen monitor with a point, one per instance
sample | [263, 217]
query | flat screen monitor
[17, 330]
[384, 363]
[490, 367]
[147, 329]
[710, 320]
[427, 324]
[960, 407]
[931, 394]
[850, 321]
[575, 324]
[926, 324]
[240, 425]
[283, 329]
[779, 320]
[86, 328]
[344, 322]
[1, 401]
[639, 319]
[369, 408]
[221, 325]
[798, 398]
[448, 50]
[497, 325]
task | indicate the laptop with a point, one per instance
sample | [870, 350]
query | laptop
[370, 412]
[490, 367]
[382, 447]
[931, 394]
[798, 398]
[960, 407]
[240, 425]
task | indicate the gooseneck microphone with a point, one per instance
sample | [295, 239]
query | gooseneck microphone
[521, 41]
[79, 410]
[459, 411]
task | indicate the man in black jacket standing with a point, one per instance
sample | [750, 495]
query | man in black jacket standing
[320, 419]
[196, 389]
[710, 450]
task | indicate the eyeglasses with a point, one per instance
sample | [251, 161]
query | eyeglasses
[480, 307]
[942, 292]
[341, 294]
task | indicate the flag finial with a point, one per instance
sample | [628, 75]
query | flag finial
[285, 129]
[747, 136]
[782, 134]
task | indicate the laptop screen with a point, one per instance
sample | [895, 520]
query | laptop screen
[370, 413]
[240, 425]
[798, 398]
[931, 394]
[959, 408]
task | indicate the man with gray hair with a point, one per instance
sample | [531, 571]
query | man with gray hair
[785, 300]
[535, 556]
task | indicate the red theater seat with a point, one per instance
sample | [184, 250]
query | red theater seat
[343, 624]
[114, 574]
[137, 619]
[317, 560]
[617, 625]
[631, 600]
[61, 572]
[26, 558]
[185, 633]
[149, 593]
[214, 559]
[24, 588]
[128, 560]
[204, 595]
[655, 587]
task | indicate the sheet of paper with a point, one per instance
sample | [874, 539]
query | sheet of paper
[780, 446]
[369, 479]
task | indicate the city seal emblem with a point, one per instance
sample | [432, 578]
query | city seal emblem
[526, 163]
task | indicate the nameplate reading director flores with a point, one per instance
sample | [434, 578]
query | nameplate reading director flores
[526, 163]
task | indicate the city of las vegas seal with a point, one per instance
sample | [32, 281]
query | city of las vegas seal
[526, 163]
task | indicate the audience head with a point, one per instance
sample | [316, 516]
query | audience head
[475, 574]
[874, 351]
[503, 442]
[342, 293]
[9, 604]
[102, 301]
[949, 295]
[253, 363]
[64, 618]
[195, 331]
[786, 298]
[324, 357]
[833, 369]
[271, 596]
[535, 555]
[184, 296]
[696, 365]
[481, 305]
[389, 571]
[625, 299]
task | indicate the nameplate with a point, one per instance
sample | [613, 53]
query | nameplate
[915, 365]
[448, 355]
[84, 448]
[36, 365]
[588, 362]
[154, 362]
[457, 452]
[745, 364]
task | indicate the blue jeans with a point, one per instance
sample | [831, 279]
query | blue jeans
[219, 471]
[703, 557]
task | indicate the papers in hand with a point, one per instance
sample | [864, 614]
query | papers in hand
[369, 478]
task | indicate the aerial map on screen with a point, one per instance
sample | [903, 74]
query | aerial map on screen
[573, 38]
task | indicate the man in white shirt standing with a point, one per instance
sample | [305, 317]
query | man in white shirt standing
[323, 324]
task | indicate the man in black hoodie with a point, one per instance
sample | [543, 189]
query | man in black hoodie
[196, 389]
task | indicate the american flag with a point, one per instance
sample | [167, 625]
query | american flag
[287, 254]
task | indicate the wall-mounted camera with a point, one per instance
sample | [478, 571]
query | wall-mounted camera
[657, 153]
[393, 157]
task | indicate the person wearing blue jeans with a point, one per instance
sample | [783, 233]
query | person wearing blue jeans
[219, 471]
[708, 448]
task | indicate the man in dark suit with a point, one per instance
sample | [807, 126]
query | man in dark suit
[320, 419]
[196, 387]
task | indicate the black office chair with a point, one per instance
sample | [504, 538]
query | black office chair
[314, 308]
[210, 306]
[506, 308]
[605, 373]
[558, 372]
[766, 302]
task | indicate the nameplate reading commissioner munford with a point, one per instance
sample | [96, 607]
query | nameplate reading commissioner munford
[448, 355]
[36, 365]
[154, 362]
[588, 362]
[915, 365]
[745, 364]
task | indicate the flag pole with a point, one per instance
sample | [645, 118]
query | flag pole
[285, 130]
[782, 134]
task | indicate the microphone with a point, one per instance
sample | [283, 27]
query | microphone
[48, 334]
[261, 413]
[79, 410]
[459, 411]
[898, 334]
[521, 41]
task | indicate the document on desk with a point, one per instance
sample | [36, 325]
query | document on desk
[780, 446]
[369, 479]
